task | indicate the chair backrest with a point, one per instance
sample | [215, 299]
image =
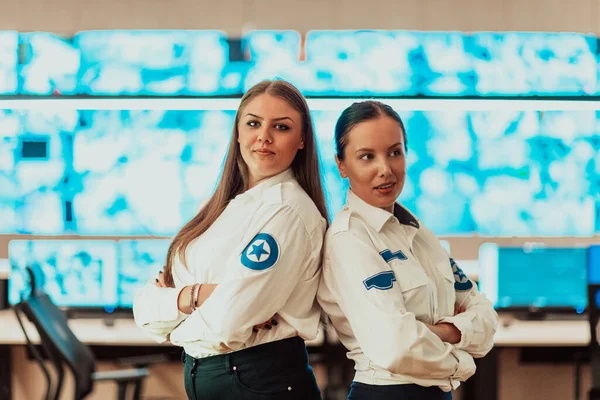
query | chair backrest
[56, 336]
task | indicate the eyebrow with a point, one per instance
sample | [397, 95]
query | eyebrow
[274, 119]
[367, 149]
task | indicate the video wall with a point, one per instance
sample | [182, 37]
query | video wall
[528, 173]
[124, 171]
[321, 63]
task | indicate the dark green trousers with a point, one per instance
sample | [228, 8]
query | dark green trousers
[272, 371]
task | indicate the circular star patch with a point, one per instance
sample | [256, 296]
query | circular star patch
[461, 281]
[262, 253]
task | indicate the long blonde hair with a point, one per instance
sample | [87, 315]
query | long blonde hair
[234, 178]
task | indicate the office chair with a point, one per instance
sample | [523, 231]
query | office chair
[62, 348]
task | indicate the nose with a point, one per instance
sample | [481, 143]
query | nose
[264, 135]
[384, 168]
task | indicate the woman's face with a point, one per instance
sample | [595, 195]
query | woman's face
[270, 134]
[375, 161]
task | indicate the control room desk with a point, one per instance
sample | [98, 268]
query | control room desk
[124, 332]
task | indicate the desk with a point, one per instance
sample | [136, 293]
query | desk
[91, 331]
[511, 333]
[519, 333]
[523, 334]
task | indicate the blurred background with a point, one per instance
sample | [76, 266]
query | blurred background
[115, 117]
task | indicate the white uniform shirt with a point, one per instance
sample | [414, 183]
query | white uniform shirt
[264, 251]
[384, 276]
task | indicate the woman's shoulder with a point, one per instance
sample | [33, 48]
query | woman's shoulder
[291, 196]
[347, 224]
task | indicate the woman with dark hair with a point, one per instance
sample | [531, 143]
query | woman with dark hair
[411, 320]
[251, 253]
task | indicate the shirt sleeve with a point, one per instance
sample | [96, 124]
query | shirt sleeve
[155, 309]
[366, 290]
[479, 322]
[259, 280]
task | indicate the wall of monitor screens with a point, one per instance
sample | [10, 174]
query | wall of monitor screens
[129, 172]
[105, 274]
[118, 171]
[322, 63]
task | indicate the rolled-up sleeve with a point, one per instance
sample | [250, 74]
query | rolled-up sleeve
[155, 309]
[259, 281]
[477, 324]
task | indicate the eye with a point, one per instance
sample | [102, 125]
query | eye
[366, 156]
[253, 123]
[396, 153]
[282, 127]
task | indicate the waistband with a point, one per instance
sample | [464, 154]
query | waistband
[293, 350]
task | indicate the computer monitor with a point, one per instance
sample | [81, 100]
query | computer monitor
[534, 278]
[593, 268]
[9, 62]
[145, 173]
[594, 264]
[76, 273]
[139, 263]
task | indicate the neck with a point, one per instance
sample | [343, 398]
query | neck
[389, 209]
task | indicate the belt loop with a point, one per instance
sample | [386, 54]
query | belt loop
[228, 362]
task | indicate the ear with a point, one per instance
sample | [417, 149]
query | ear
[301, 144]
[341, 167]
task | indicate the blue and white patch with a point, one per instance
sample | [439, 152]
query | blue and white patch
[382, 281]
[262, 253]
[389, 256]
[461, 282]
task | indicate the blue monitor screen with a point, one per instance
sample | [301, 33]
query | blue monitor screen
[145, 172]
[9, 58]
[155, 63]
[140, 262]
[534, 277]
[528, 63]
[34, 161]
[77, 273]
[50, 66]
[594, 264]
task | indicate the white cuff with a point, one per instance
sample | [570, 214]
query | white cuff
[154, 304]
[462, 322]
[466, 365]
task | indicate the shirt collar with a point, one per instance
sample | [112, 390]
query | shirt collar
[405, 217]
[374, 216]
[377, 217]
[257, 191]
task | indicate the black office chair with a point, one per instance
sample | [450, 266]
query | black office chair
[594, 318]
[62, 348]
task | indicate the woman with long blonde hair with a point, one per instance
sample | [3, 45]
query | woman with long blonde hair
[252, 254]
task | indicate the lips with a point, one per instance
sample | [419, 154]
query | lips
[264, 152]
[384, 186]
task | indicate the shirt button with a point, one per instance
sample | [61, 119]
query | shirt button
[472, 293]
[289, 388]
[234, 368]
